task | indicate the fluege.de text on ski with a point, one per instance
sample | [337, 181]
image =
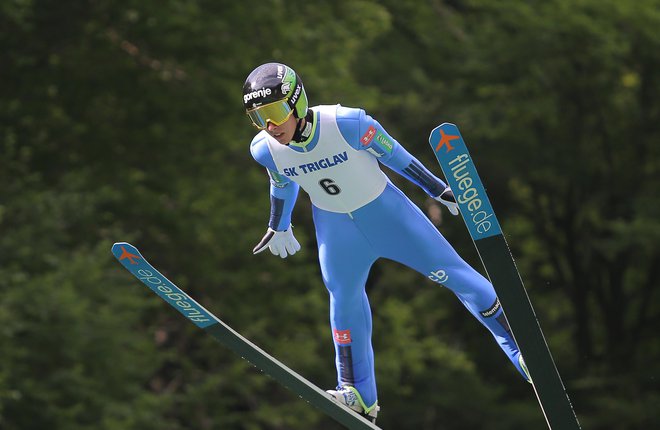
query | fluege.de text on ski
[175, 296]
[469, 195]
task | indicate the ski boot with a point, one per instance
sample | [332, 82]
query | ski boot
[349, 396]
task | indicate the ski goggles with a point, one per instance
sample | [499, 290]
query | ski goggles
[276, 113]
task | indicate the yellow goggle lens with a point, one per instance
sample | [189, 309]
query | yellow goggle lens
[277, 113]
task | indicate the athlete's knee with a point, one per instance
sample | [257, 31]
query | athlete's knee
[345, 293]
[465, 281]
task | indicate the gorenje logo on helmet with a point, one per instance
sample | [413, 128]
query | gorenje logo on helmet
[264, 92]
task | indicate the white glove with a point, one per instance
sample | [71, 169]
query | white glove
[447, 199]
[281, 243]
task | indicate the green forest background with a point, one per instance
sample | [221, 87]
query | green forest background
[123, 121]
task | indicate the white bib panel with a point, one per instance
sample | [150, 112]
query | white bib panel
[337, 177]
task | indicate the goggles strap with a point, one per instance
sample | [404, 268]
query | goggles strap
[303, 133]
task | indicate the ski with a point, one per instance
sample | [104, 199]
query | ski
[134, 262]
[477, 212]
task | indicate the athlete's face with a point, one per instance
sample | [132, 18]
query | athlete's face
[283, 133]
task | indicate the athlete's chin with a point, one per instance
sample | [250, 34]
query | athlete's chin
[282, 138]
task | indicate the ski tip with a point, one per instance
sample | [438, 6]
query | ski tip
[442, 137]
[120, 247]
[448, 127]
[445, 127]
[119, 244]
[126, 251]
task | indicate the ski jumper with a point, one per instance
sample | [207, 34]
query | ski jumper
[360, 216]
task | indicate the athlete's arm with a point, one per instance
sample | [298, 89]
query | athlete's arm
[283, 191]
[363, 132]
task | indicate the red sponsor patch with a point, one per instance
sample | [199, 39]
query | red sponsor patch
[342, 337]
[368, 136]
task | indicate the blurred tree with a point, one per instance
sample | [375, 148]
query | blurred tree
[124, 122]
[559, 101]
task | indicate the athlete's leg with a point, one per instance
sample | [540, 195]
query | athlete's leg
[413, 240]
[345, 258]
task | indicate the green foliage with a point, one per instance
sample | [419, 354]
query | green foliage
[123, 121]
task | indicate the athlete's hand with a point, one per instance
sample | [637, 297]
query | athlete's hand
[447, 199]
[281, 243]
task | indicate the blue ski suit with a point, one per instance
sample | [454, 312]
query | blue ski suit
[360, 216]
